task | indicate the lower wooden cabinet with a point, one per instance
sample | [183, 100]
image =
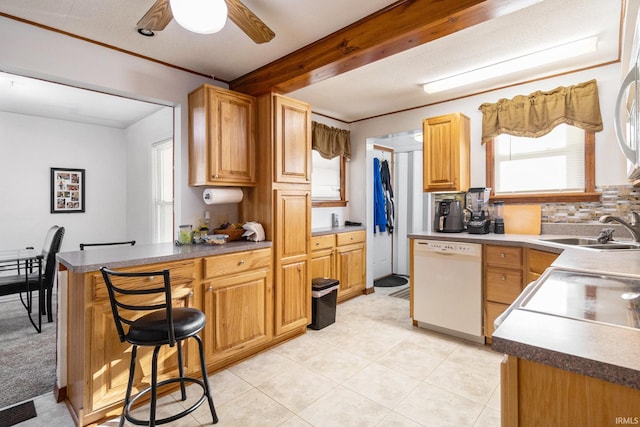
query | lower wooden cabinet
[238, 304]
[341, 256]
[533, 395]
[507, 270]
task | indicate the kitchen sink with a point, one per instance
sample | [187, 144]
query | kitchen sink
[592, 243]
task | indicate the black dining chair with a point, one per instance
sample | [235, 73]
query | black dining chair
[161, 324]
[17, 284]
[87, 245]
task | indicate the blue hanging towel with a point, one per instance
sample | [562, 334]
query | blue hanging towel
[379, 202]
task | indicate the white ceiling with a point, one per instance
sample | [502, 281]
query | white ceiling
[385, 86]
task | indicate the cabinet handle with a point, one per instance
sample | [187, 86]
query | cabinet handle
[215, 176]
[191, 294]
[503, 277]
[241, 262]
[151, 278]
[317, 243]
[502, 255]
[210, 288]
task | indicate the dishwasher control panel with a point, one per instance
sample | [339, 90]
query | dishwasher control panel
[449, 247]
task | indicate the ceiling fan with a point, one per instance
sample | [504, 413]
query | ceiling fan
[160, 14]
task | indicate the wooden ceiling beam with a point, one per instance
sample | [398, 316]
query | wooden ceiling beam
[401, 26]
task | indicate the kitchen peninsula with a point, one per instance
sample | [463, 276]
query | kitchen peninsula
[231, 283]
[559, 369]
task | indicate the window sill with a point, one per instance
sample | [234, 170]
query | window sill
[328, 203]
[547, 198]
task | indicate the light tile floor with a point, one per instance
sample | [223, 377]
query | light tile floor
[370, 368]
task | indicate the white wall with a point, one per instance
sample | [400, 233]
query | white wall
[35, 52]
[29, 147]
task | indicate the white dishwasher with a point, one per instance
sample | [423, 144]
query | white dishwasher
[447, 287]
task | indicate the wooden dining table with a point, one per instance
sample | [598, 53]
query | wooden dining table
[16, 264]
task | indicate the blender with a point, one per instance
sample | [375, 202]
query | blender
[498, 217]
[477, 204]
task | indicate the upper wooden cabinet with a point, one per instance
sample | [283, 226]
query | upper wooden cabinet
[221, 137]
[292, 135]
[446, 155]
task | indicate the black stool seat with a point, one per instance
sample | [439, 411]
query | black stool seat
[151, 329]
[161, 324]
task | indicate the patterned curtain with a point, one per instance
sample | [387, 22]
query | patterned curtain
[537, 114]
[330, 142]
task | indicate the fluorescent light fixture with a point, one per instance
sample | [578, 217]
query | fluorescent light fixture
[200, 16]
[546, 56]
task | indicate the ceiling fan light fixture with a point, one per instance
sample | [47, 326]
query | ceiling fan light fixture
[200, 16]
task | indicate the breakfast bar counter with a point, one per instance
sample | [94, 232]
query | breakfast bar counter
[232, 283]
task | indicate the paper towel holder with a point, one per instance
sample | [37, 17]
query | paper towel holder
[222, 195]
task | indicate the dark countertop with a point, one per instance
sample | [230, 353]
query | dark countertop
[335, 230]
[129, 256]
[599, 350]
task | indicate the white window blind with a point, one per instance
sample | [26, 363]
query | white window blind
[325, 177]
[549, 164]
[162, 182]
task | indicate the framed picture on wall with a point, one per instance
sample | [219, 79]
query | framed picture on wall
[67, 190]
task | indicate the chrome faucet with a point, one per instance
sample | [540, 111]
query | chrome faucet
[633, 227]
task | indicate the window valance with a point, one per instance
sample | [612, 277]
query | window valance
[330, 142]
[537, 114]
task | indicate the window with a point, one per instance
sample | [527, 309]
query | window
[162, 187]
[557, 167]
[327, 181]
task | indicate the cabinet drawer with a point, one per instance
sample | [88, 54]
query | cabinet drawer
[223, 265]
[503, 285]
[510, 256]
[350, 237]
[179, 272]
[323, 242]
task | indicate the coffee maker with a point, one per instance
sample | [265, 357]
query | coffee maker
[478, 205]
[448, 217]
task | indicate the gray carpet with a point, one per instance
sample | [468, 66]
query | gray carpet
[27, 358]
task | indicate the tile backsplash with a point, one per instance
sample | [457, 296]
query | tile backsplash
[616, 200]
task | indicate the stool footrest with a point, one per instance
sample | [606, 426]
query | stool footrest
[187, 411]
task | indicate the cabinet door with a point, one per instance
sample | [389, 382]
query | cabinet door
[292, 140]
[231, 138]
[292, 297]
[537, 263]
[350, 266]
[238, 309]
[109, 358]
[293, 223]
[446, 156]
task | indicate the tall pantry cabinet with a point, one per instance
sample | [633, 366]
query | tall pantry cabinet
[281, 201]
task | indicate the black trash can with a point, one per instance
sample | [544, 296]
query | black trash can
[323, 302]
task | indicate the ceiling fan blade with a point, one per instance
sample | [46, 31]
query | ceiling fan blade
[157, 17]
[248, 22]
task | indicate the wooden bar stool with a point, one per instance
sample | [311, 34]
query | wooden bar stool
[160, 325]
